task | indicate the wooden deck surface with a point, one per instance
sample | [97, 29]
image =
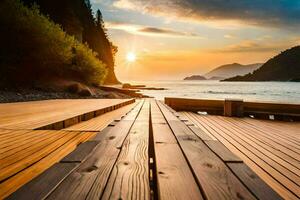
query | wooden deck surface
[270, 148]
[24, 154]
[150, 153]
[100, 122]
[36, 114]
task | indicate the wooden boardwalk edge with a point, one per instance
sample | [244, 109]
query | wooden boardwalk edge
[83, 117]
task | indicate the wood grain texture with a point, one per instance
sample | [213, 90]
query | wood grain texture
[37, 114]
[259, 188]
[13, 183]
[277, 170]
[42, 185]
[195, 105]
[130, 176]
[81, 152]
[174, 177]
[259, 109]
[225, 154]
[12, 166]
[200, 133]
[216, 180]
[102, 121]
[267, 173]
[95, 170]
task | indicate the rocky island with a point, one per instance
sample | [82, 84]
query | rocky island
[194, 78]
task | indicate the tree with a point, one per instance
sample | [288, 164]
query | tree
[76, 18]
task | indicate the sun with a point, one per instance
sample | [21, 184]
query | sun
[130, 57]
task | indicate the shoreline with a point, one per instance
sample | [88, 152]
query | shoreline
[23, 95]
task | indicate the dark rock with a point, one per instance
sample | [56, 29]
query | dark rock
[74, 88]
[194, 77]
[85, 92]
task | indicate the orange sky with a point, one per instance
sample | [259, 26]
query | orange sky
[177, 38]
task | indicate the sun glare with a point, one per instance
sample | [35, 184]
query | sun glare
[131, 57]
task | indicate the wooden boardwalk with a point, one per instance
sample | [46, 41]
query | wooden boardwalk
[153, 153]
[40, 114]
[25, 153]
[270, 148]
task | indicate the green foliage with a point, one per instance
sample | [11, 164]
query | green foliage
[76, 18]
[35, 47]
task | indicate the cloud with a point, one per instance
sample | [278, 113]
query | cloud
[229, 36]
[148, 31]
[165, 31]
[267, 45]
[272, 13]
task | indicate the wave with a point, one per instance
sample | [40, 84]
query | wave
[220, 92]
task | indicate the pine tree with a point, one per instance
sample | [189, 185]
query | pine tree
[99, 18]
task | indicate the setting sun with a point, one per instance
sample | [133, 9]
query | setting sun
[131, 57]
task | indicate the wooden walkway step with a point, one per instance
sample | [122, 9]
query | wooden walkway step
[25, 159]
[55, 114]
[100, 122]
[150, 153]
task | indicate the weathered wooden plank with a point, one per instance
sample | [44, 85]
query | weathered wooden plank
[14, 136]
[131, 168]
[275, 166]
[260, 107]
[46, 182]
[195, 105]
[225, 154]
[257, 186]
[95, 170]
[216, 180]
[113, 123]
[272, 145]
[284, 130]
[99, 136]
[200, 133]
[11, 167]
[100, 122]
[26, 138]
[81, 152]
[28, 148]
[272, 177]
[174, 177]
[12, 184]
[35, 115]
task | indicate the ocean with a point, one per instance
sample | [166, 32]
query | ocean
[280, 92]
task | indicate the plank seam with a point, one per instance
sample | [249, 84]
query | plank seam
[185, 157]
[110, 173]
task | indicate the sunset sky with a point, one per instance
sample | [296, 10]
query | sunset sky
[175, 38]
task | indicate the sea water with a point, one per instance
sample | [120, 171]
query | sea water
[281, 92]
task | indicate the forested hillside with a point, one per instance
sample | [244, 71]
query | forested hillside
[34, 48]
[77, 19]
[283, 67]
